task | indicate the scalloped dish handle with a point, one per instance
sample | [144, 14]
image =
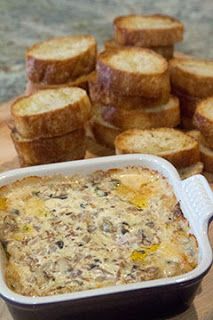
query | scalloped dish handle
[199, 196]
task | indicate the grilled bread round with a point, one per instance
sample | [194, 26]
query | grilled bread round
[167, 115]
[203, 119]
[81, 82]
[62, 59]
[192, 76]
[134, 72]
[103, 132]
[175, 146]
[188, 103]
[148, 31]
[67, 147]
[52, 112]
[165, 51]
[100, 94]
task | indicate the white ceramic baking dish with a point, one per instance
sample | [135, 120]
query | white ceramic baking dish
[155, 297]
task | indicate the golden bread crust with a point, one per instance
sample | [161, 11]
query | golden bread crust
[167, 115]
[71, 146]
[58, 71]
[192, 76]
[119, 70]
[100, 94]
[179, 156]
[53, 122]
[137, 30]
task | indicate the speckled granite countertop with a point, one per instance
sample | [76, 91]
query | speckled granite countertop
[23, 22]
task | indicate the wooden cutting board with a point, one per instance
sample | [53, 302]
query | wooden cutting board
[202, 308]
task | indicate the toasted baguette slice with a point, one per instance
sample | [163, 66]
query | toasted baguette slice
[206, 155]
[192, 76]
[166, 51]
[175, 146]
[191, 170]
[100, 94]
[167, 115]
[195, 134]
[52, 112]
[134, 72]
[60, 60]
[103, 132]
[188, 103]
[71, 146]
[81, 82]
[94, 149]
[147, 31]
[187, 123]
[203, 119]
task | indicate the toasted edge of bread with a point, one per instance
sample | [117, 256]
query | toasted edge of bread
[188, 76]
[118, 70]
[103, 132]
[94, 149]
[167, 115]
[127, 34]
[59, 71]
[187, 172]
[188, 103]
[180, 158]
[203, 119]
[81, 82]
[165, 51]
[100, 94]
[206, 155]
[54, 122]
[48, 150]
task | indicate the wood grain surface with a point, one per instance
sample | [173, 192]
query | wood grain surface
[202, 307]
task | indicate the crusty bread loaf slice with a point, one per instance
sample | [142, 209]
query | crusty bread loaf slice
[51, 112]
[133, 71]
[71, 146]
[203, 119]
[188, 103]
[103, 132]
[206, 155]
[100, 94]
[81, 82]
[165, 51]
[147, 31]
[187, 172]
[167, 115]
[62, 59]
[94, 149]
[175, 146]
[192, 76]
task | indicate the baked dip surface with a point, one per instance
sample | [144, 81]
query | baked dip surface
[63, 234]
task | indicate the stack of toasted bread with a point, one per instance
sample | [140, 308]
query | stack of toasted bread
[63, 61]
[203, 120]
[131, 89]
[49, 125]
[192, 81]
[156, 32]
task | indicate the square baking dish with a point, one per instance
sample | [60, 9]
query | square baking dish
[149, 299]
